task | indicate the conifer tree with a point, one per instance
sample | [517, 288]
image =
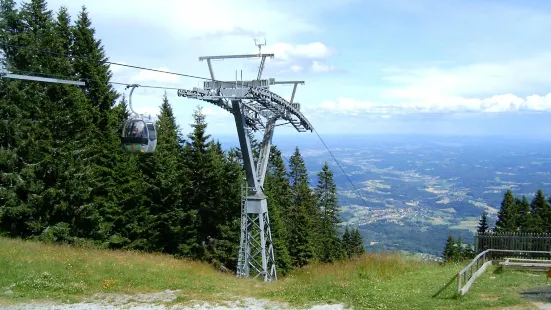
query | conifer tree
[483, 223]
[29, 211]
[538, 209]
[168, 209]
[523, 220]
[224, 221]
[13, 129]
[507, 215]
[326, 193]
[347, 243]
[450, 250]
[278, 191]
[199, 193]
[303, 226]
[357, 245]
[459, 253]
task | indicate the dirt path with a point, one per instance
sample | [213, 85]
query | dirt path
[157, 300]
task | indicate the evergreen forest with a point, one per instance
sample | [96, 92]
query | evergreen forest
[65, 178]
[516, 215]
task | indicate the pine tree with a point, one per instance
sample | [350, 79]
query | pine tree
[200, 191]
[538, 209]
[483, 223]
[523, 220]
[278, 192]
[357, 244]
[107, 160]
[450, 250]
[326, 193]
[223, 222]
[347, 243]
[90, 65]
[303, 228]
[507, 215]
[459, 254]
[34, 196]
[167, 180]
[13, 128]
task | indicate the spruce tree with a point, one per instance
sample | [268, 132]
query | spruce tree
[107, 159]
[326, 193]
[459, 254]
[303, 214]
[538, 209]
[483, 223]
[13, 128]
[347, 242]
[450, 250]
[278, 192]
[200, 191]
[29, 210]
[357, 244]
[167, 206]
[507, 215]
[523, 220]
[223, 230]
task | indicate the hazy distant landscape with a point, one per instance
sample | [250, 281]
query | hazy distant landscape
[417, 189]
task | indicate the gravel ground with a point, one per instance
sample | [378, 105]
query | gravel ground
[155, 300]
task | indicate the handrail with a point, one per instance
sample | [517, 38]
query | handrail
[467, 276]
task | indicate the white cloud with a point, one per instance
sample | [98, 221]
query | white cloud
[296, 58]
[469, 88]
[318, 66]
[494, 104]
[481, 79]
[192, 19]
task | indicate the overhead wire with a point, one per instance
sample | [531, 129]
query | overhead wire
[106, 61]
[53, 75]
[169, 88]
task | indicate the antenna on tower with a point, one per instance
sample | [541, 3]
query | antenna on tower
[259, 45]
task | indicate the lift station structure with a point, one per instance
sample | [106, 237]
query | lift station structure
[255, 108]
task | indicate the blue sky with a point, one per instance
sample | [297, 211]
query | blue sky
[370, 66]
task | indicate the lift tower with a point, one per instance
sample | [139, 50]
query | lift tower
[255, 108]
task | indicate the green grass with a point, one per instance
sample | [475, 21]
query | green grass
[37, 271]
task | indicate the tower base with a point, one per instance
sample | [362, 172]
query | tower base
[256, 251]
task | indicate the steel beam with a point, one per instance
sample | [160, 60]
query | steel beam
[210, 69]
[264, 155]
[41, 79]
[245, 145]
[261, 68]
[235, 56]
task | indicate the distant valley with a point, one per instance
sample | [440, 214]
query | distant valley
[417, 189]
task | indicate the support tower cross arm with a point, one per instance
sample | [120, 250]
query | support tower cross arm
[294, 88]
[222, 57]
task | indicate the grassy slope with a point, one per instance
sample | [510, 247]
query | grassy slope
[66, 273]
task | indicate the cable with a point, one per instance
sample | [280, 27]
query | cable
[169, 88]
[345, 174]
[107, 62]
[87, 79]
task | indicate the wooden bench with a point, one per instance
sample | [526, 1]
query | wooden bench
[528, 264]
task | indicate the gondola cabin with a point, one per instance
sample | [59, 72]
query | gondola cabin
[139, 136]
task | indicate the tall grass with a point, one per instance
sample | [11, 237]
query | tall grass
[34, 271]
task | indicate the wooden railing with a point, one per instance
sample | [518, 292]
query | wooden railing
[512, 241]
[467, 276]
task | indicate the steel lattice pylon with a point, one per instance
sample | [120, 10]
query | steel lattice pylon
[256, 108]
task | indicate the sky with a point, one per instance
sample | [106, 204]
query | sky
[464, 67]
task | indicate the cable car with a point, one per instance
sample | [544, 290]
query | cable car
[139, 134]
